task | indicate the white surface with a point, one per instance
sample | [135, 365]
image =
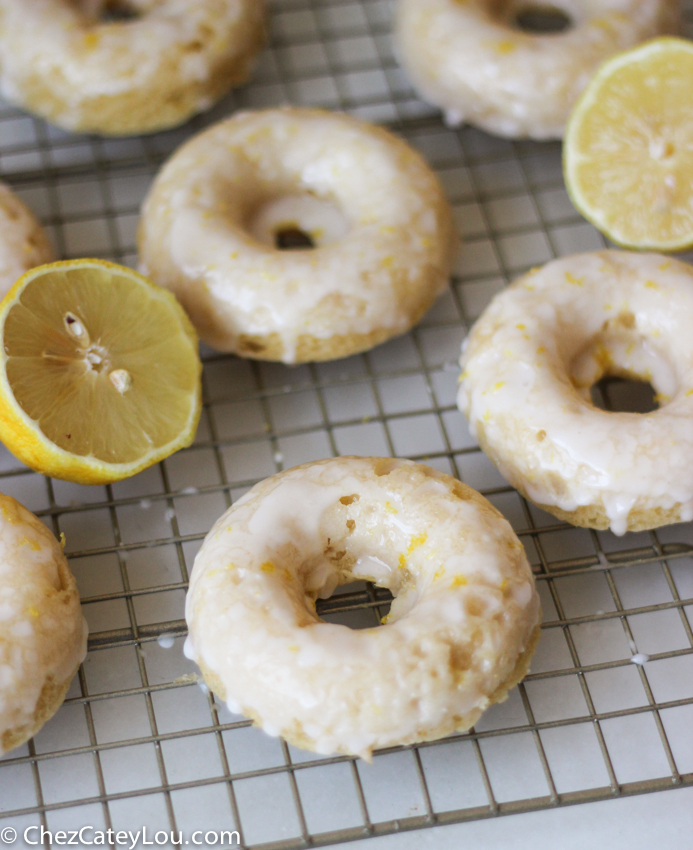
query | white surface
[664, 819]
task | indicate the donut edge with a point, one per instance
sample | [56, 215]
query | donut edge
[297, 738]
[594, 516]
[50, 699]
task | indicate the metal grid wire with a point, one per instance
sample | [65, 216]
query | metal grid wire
[138, 742]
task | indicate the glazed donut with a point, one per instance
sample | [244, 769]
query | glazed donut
[43, 636]
[23, 242]
[531, 360]
[383, 234]
[460, 633]
[470, 57]
[67, 62]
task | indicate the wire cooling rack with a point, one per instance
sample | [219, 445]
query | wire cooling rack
[138, 741]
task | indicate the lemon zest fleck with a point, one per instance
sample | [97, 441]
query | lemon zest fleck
[416, 541]
[603, 357]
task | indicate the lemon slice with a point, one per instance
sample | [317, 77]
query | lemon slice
[628, 150]
[99, 372]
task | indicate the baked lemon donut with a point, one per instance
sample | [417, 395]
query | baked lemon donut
[43, 636]
[460, 633]
[470, 57]
[23, 242]
[213, 223]
[67, 62]
[528, 366]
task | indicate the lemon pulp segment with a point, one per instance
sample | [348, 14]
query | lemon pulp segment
[628, 153]
[103, 364]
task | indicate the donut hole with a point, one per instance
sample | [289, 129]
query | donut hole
[357, 605]
[624, 395]
[297, 223]
[353, 581]
[111, 11]
[292, 238]
[542, 19]
[623, 369]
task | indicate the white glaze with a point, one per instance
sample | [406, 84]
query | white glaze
[42, 631]
[463, 589]
[59, 48]
[540, 345]
[383, 249]
[23, 242]
[468, 58]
